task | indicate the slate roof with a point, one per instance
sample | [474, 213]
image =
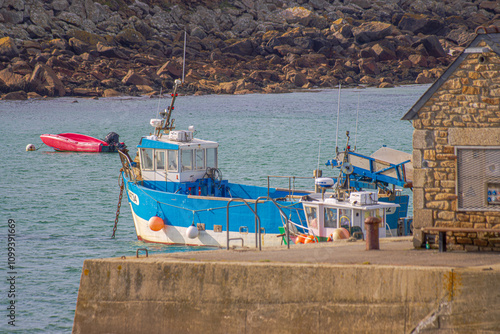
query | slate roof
[490, 35]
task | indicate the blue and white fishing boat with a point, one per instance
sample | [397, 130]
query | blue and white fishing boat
[177, 195]
[386, 172]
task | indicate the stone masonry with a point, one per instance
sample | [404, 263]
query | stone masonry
[464, 110]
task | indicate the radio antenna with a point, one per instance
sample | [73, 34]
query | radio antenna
[338, 116]
[184, 57]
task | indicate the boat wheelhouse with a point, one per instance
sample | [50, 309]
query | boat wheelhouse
[325, 216]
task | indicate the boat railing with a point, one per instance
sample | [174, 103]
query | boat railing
[127, 166]
[258, 229]
[227, 220]
[258, 239]
[291, 182]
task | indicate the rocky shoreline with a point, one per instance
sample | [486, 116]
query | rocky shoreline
[109, 48]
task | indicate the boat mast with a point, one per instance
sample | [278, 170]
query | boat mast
[167, 125]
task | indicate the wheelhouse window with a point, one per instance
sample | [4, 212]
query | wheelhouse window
[478, 178]
[312, 216]
[160, 159]
[186, 160]
[330, 217]
[345, 217]
[200, 158]
[147, 158]
[212, 157]
[172, 159]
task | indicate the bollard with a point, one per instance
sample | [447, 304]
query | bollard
[371, 226]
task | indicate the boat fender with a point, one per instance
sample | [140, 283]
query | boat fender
[310, 239]
[156, 223]
[300, 239]
[30, 147]
[340, 234]
[192, 232]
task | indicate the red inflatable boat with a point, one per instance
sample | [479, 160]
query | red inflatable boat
[76, 142]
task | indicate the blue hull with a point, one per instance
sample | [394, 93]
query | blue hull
[209, 214]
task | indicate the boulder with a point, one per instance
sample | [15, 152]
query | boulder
[89, 38]
[132, 78]
[60, 5]
[111, 51]
[417, 23]
[171, 68]
[11, 80]
[382, 53]
[241, 48]
[418, 60]
[198, 32]
[433, 46]
[372, 31]
[78, 46]
[261, 75]
[8, 48]
[368, 80]
[423, 78]
[19, 95]
[87, 92]
[226, 87]
[44, 81]
[39, 16]
[298, 15]
[297, 78]
[368, 66]
[130, 38]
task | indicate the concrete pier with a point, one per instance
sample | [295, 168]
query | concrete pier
[321, 288]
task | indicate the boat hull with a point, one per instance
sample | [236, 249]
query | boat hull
[209, 215]
[74, 142]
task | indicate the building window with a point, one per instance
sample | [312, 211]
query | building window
[478, 178]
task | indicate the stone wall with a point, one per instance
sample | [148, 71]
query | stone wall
[464, 111]
[152, 295]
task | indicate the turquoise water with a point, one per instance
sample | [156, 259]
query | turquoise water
[64, 204]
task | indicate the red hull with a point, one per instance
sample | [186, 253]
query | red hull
[73, 142]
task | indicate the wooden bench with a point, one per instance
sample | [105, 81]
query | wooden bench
[442, 233]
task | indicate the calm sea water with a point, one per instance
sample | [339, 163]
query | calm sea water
[64, 204]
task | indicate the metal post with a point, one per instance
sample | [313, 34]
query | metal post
[442, 241]
[372, 238]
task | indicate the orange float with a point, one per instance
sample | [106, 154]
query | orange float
[156, 223]
[339, 234]
[310, 239]
[345, 232]
[301, 238]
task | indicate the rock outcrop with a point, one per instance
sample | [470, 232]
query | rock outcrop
[127, 47]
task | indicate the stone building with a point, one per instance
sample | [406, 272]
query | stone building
[456, 147]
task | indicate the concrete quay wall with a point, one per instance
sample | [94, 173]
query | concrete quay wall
[158, 295]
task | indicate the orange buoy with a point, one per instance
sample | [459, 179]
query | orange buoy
[338, 234]
[300, 239]
[345, 232]
[310, 239]
[156, 223]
